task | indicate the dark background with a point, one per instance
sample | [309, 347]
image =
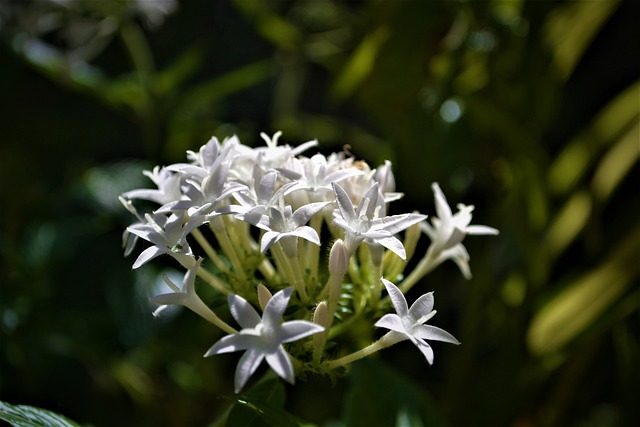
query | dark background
[526, 109]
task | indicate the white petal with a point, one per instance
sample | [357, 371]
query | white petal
[247, 365]
[304, 213]
[231, 343]
[243, 312]
[369, 202]
[344, 203]
[481, 229]
[434, 333]
[296, 329]
[442, 207]
[394, 245]
[397, 298]
[189, 281]
[268, 239]
[422, 306]
[396, 223]
[147, 255]
[462, 218]
[392, 322]
[275, 308]
[306, 233]
[281, 364]
[460, 256]
[426, 350]
[303, 147]
[266, 186]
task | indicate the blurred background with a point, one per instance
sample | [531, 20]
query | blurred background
[527, 109]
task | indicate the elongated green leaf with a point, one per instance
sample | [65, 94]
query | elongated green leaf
[582, 303]
[571, 29]
[360, 64]
[261, 406]
[380, 396]
[29, 416]
[611, 123]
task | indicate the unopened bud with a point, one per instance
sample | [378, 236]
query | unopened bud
[320, 315]
[338, 259]
[263, 295]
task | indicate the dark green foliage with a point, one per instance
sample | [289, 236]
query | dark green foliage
[526, 109]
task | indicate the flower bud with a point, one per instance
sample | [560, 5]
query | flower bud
[320, 315]
[338, 259]
[263, 295]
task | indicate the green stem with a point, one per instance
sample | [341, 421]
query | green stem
[210, 251]
[425, 265]
[222, 234]
[213, 280]
[200, 308]
[386, 341]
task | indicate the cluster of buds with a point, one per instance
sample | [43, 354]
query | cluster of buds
[256, 224]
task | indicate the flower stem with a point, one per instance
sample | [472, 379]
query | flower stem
[212, 280]
[222, 234]
[425, 265]
[210, 251]
[386, 341]
[200, 308]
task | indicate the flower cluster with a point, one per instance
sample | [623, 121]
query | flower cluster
[256, 224]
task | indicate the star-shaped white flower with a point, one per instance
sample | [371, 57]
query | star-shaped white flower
[168, 184]
[368, 223]
[185, 295]
[167, 235]
[408, 323]
[284, 224]
[262, 338]
[448, 230]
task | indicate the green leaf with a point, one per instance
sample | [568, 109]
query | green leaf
[582, 303]
[262, 406]
[380, 396]
[29, 416]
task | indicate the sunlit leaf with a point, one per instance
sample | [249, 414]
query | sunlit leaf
[360, 64]
[29, 416]
[571, 29]
[581, 303]
[261, 406]
[568, 223]
[574, 160]
[616, 163]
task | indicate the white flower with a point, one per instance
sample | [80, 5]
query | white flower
[185, 296]
[284, 223]
[166, 234]
[262, 338]
[168, 184]
[448, 231]
[314, 175]
[408, 323]
[366, 224]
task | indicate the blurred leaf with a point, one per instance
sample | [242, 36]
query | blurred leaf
[29, 416]
[359, 65]
[380, 396]
[616, 163]
[262, 406]
[193, 107]
[582, 303]
[567, 224]
[572, 27]
[611, 123]
[270, 25]
[184, 67]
